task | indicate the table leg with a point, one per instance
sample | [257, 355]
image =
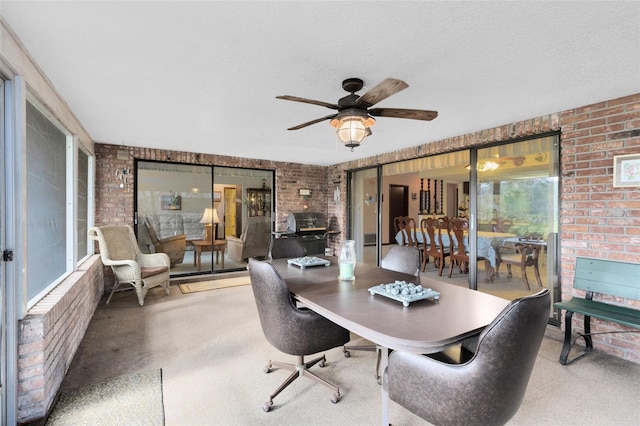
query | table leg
[199, 257]
[222, 257]
[384, 361]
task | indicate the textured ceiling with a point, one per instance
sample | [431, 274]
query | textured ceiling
[203, 76]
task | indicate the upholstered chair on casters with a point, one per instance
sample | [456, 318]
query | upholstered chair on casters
[119, 250]
[489, 388]
[292, 330]
[405, 259]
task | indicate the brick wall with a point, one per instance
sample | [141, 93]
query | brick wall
[50, 335]
[598, 220]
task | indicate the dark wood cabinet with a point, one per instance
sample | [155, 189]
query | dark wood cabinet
[258, 202]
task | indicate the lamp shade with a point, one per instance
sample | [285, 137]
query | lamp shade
[210, 216]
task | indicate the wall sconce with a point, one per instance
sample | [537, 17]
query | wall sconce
[336, 194]
[122, 176]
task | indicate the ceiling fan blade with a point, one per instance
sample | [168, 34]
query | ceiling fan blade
[308, 101]
[309, 123]
[413, 114]
[384, 89]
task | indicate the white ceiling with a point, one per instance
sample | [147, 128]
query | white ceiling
[203, 76]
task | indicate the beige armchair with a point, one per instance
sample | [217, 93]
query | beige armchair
[253, 242]
[119, 249]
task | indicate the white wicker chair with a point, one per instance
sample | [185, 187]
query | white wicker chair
[119, 249]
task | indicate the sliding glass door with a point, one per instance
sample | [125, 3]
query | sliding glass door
[517, 216]
[198, 215]
[364, 211]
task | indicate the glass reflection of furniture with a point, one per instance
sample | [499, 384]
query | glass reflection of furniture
[258, 201]
[217, 246]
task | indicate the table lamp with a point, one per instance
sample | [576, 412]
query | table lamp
[210, 216]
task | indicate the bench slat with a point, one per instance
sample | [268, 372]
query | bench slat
[615, 278]
[619, 314]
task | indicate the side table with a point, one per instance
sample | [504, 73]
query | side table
[217, 246]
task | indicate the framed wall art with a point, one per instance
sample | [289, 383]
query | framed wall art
[170, 202]
[626, 170]
[217, 196]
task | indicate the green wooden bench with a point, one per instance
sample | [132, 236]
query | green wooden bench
[606, 277]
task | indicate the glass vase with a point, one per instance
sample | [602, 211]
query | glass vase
[347, 260]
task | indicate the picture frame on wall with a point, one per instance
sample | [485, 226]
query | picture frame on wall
[170, 202]
[217, 196]
[626, 170]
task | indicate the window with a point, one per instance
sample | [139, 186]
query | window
[82, 206]
[58, 201]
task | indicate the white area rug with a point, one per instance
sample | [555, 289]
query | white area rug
[134, 399]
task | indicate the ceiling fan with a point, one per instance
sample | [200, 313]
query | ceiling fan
[355, 115]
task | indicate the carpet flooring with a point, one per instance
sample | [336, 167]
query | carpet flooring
[213, 284]
[132, 399]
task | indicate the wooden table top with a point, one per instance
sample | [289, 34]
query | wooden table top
[204, 243]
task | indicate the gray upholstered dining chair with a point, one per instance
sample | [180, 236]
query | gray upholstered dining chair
[289, 247]
[119, 250]
[292, 330]
[405, 259]
[488, 389]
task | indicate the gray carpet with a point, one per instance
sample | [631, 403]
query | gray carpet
[133, 399]
[212, 351]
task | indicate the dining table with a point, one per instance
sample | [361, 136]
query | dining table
[488, 242]
[424, 326]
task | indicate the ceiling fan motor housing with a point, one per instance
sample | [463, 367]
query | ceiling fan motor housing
[352, 85]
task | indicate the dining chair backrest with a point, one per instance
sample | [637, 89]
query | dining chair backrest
[500, 224]
[405, 259]
[430, 239]
[289, 247]
[406, 225]
[457, 227]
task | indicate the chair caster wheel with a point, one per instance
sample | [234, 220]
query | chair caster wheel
[379, 380]
[267, 368]
[335, 398]
[321, 363]
[347, 354]
[267, 406]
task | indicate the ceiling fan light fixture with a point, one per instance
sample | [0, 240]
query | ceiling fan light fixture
[352, 132]
[353, 127]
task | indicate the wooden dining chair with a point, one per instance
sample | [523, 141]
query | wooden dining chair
[526, 256]
[407, 226]
[432, 246]
[459, 255]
